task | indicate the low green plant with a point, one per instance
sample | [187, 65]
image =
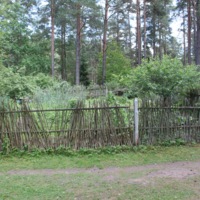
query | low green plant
[69, 152]
[176, 142]
[6, 146]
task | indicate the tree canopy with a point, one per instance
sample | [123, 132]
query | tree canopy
[84, 42]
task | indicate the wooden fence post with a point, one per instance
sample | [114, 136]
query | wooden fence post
[136, 122]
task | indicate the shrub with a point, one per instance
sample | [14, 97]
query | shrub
[164, 78]
[14, 85]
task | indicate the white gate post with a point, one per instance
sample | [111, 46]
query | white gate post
[136, 122]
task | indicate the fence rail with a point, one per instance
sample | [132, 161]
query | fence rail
[97, 125]
[64, 109]
[160, 123]
[94, 126]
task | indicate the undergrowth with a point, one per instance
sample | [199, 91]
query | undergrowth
[72, 152]
[88, 151]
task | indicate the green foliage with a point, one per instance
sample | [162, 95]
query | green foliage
[44, 81]
[6, 146]
[113, 99]
[61, 150]
[36, 57]
[14, 85]
[113, 85]
[69, 152]
[176, 142]
[117, 64]
[84, 75]
[166, 78]
[19, 46]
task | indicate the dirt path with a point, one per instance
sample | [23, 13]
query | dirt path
[177, 170]
[177, 180]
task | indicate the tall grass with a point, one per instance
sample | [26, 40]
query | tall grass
[59, 97]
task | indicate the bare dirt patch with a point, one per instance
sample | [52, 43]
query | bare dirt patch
[178, 180]
[176, 170]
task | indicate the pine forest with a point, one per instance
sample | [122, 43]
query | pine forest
[125, 45]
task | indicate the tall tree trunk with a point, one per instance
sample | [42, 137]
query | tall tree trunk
[139, 48]
[197, 60]
[129, 36]
[160, 41]
[165, 45]
[189, 32]
[184, 39]
[118, 28]
[163, 36]
[63, 53]
[145, 29]
[105, 42]
[154, 35]
[52, 37]
[194, 24]
[78, 43]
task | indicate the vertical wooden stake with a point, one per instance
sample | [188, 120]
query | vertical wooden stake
[136, 122]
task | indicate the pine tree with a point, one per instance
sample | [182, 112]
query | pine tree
[138, 41]
[84, 75]
[145, 29]
[52, 37]
[189, 31]
[105, 41]
[158, 25]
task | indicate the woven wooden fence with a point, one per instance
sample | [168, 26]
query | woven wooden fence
[96, 125]
[160, 123]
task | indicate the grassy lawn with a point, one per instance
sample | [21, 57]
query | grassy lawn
[147, 156]
[85, 186]
[104, 183]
